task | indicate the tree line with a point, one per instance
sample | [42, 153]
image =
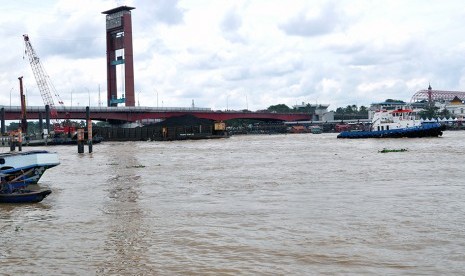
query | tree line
[351, 112]
[348, 112]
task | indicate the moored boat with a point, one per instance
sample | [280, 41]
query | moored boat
[26, 166]
[396, 123]
[16, 189]
[316, 130]
[23, 196]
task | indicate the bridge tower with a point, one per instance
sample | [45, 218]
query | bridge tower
[119, 55]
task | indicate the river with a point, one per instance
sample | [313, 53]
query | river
[300, 204]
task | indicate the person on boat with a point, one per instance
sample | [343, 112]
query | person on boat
[6, 188]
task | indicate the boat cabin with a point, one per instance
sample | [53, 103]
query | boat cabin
[394, 119]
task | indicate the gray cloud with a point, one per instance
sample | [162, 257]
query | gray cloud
[236, 74]
[81, 48]
[326, 22]
[163, 11]
[231, 21]
[230, 26]
[71, 34]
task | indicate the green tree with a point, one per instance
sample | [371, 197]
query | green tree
[349, 110]
[445, 113]
[354, 108]
[429, 112]
[363, 110]
[101, 124]
[280, 108]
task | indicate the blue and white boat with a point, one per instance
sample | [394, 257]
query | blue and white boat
[396, 123]
[26, 166]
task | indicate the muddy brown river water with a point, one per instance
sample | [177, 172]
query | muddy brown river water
[301, 204]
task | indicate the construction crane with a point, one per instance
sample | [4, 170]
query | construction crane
[45, 85]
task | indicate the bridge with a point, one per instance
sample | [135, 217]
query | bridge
[139, 113]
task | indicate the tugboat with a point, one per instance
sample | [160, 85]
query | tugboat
[396, 123]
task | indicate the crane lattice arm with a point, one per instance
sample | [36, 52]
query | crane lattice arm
[42, 79]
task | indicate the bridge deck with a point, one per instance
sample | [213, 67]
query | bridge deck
[134, 114]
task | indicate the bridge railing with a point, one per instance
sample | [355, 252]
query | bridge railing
[123, 109]
[133, 109]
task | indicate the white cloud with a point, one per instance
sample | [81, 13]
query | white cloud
[242, 53]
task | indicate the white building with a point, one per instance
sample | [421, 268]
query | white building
[456, 107]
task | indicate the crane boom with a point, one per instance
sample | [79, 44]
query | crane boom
[42, 79]
[46, 88]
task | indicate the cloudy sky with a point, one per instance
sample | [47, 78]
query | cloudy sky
[240, 54]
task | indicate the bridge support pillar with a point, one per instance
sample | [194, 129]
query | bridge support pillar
[41, 125]
[2, 114]
[47, 118]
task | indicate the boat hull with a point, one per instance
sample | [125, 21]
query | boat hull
[57, 142]
[25, 196]
[425, 130]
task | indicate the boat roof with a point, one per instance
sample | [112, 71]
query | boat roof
[14, 153]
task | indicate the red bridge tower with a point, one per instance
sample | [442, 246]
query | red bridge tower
[119, 55]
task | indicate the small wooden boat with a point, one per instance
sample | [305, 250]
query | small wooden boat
[16, 192]
[24, 196]
[316, 129]
[391, 150]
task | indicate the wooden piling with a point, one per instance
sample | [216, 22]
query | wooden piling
[89, 129]
[20, 140]
[80, 140]
[89, 135]
[12, 143]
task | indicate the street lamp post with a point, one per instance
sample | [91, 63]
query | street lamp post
[10, 96]
[88, 93]
[99, 99]
[157, 97]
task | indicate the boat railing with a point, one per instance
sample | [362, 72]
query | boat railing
[387, 121]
